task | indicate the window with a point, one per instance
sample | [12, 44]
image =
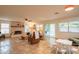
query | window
[47, 29]
[74, 26]
[50, 30]
[69, 27]
[63, 27]
[4, 28]
[26, 28]
[39, 27]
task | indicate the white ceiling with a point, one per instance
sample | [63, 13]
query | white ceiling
[36, 13]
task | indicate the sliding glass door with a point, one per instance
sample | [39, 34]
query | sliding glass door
[50, 30]
[50, 33]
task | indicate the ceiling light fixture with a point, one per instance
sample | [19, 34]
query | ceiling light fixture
[69, 7]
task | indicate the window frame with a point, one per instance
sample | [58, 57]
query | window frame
[68, 27]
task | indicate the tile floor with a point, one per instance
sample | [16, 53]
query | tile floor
[16, 46]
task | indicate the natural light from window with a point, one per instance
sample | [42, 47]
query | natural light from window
[4, 28]
[69, 26]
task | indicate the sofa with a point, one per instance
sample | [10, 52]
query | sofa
[75, 41]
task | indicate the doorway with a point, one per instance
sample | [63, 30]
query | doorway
[50, 33]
